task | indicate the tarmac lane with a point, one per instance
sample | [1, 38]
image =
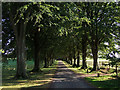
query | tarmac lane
[66, 78]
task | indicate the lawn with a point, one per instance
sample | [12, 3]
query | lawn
[40, 79]
[104, 81]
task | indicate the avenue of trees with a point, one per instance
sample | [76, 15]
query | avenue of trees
[45, 31]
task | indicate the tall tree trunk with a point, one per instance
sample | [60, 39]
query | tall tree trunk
[78, 59]
[36, 53]
[70, 57]
[46, 62]
[19, 30]
[50, 59]
[71, 60]
[95, 56]
[74, 59]
[94, 45]
[45, 65]
[20, 41]
[84, 49]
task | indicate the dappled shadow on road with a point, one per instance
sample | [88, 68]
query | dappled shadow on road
[65, 78]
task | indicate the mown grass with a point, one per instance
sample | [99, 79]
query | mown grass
[104, 81]
[39, 79]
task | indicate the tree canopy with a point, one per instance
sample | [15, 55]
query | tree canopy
[44, 31]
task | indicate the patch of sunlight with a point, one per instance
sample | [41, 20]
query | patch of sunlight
[9, 77]
[49, 74]
[21, 80]
[29, 84]
[20, 83]
[102, 78]
[40, 81]
[36, 80]
[1, 88]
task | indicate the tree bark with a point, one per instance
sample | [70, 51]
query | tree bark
[70, 58]
[84, 49]
[95, 43]
[36, 53]
[46, 62]
[51, 59]
[78, 59]
[71, 61]
[45, 66]
[95, 56]
[20, 41]
[19, 30]
[74, 59]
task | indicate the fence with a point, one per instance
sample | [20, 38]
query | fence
[100, 63]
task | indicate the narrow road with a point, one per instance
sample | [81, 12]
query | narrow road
[65, 78]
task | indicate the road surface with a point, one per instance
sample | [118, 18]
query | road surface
[65, 78]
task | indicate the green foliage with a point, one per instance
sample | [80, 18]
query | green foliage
[62, 28]
[114, 60]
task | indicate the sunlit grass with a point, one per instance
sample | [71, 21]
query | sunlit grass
[39, 79]
[104, 81]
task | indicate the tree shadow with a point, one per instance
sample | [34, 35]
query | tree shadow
[110, 83]
[35, 78]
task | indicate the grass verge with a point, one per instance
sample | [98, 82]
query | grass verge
[39, 79]
[104, 81]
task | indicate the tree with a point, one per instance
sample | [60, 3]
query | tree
[101, 26]
[19, 29]
[114, 60]
[19, 16]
